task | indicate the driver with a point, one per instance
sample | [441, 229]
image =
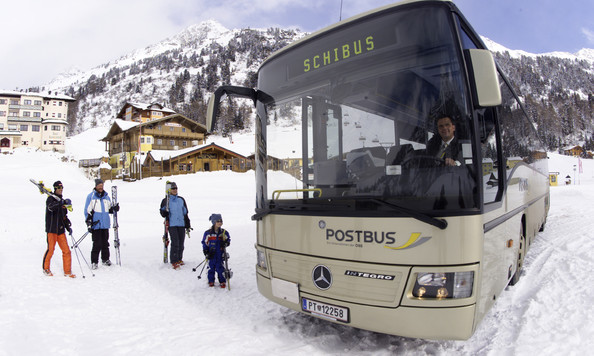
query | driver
[445, 146]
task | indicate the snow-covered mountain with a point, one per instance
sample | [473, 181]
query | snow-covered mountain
[585, 54]
[181, 71]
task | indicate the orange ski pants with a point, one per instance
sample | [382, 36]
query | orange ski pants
[51, 245]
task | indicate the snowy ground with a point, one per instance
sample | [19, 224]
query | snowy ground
[146, 308]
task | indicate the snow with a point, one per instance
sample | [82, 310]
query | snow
[585, 54]
[145, 307]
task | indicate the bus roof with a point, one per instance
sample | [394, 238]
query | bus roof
[347, 21]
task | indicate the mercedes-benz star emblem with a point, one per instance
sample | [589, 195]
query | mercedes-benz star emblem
[322, 278]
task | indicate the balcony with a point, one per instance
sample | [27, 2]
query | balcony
[167, 133]
[25, 107]
[24, 119]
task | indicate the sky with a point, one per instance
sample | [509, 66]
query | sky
[41, 39]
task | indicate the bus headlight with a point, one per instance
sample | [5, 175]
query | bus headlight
[444, 285]
[261, 259]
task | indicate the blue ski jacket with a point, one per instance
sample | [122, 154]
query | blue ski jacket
[213, 243]
[99, 206]
[178, 211]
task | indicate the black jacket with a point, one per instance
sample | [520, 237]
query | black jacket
[453, 151]
[56, 219]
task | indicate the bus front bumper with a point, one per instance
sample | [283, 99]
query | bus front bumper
[447, 323]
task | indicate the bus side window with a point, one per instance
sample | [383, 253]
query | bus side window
[488, 138]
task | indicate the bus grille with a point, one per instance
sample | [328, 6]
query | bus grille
[355, 282]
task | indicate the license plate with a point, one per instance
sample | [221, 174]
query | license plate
[324, 310]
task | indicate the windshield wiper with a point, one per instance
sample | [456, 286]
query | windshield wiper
[439, 223]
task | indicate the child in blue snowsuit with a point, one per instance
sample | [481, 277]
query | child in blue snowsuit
[213, 243]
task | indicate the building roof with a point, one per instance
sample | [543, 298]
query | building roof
[145, 106]
[123, 126]
[157, 155]
[44, 95]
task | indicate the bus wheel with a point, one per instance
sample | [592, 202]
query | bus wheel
[516, 277]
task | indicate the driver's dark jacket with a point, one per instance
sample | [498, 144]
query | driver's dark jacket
[453, 151]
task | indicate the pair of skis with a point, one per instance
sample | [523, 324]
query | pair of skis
[166, 223]
[116, 237]
[227, 272]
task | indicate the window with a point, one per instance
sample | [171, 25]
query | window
[26, 113]
[27, 102]
[60, 103]
[2, 101]
[159, 141]
[183, 129]
[37, 102]
[1, 126]
[59, 115]
[14, 102]
[36, 114]
[142, 140]
[45, 128]
[12, 127]
[24, 127]
[55, 127]
[171, 142]
[13, 113]
[2, 113]
[185, 143]
[170, 128]
[35, 128]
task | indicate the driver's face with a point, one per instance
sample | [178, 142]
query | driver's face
[446, 128]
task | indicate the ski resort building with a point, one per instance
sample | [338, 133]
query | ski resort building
[141, 112]
[128, 142]
[37, 120]
[207, 158]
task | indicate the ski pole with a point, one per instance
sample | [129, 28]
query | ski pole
[79, 240]
[83, 236]
[195, 268]
[76, 251]
[200, 275]
[78, 259]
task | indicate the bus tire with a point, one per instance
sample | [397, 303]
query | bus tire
[521, 252]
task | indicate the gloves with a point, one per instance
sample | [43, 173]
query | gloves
[227, 243]
[205, 252]
[67, 225]
[115, 208]
[89, 222]
[67, 203]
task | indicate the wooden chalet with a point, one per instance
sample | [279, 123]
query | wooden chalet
[141, 112]
[207, 158]
[575, 151]
[126, 139]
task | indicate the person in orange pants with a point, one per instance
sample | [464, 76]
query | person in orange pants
[56, 224]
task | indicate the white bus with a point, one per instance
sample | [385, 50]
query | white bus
[360, 220]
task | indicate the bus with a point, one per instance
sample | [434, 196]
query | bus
[359, 220]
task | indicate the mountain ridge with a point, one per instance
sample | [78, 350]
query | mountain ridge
[180, 72]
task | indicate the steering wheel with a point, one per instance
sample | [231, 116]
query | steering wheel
[422, 161]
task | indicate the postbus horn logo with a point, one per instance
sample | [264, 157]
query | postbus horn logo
[321, 276]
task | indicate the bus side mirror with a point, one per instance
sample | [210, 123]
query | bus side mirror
[215, 99]
[483, 72]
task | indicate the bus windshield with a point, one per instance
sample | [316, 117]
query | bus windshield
[381, 111]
